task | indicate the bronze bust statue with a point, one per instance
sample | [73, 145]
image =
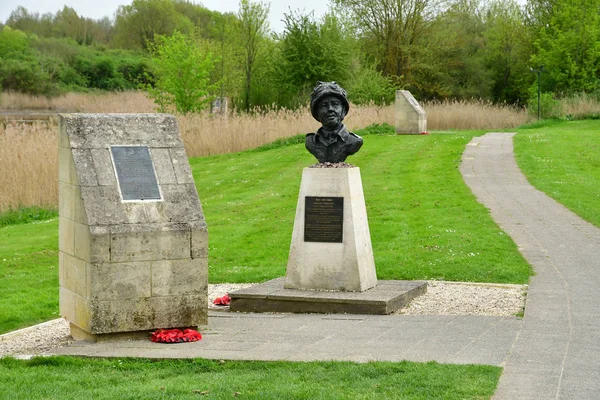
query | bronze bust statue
[332, 142]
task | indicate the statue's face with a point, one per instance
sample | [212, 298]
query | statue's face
[330, 111]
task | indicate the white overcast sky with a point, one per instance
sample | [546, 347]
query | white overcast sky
[97, 9]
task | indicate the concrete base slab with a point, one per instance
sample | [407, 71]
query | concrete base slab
[271, 296]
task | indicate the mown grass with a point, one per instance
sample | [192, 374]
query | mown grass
[75, 378]
[425, 223]
[562, 159]
[28, 274]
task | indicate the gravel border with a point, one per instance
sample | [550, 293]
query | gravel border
[442, 298]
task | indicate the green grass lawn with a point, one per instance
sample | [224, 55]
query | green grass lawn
[563, 160]
[425, 223]
[75, 378]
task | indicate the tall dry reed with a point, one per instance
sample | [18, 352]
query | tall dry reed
[459, 114]
[28, 160]
[28, 165]
[110, 102]
[218, 134]
[580, 106]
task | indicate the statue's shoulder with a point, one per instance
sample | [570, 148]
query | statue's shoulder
[310, 141]
[355, 137]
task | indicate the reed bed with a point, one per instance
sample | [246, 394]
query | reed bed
[460, 114]
[28, 165]
[218, 134]
[28, 155]
[580, 106]
[109, 102]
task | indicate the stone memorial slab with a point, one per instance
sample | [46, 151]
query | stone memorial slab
[133, 241]
[410, 116]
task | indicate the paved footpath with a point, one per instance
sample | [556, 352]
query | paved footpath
[552, 353]
[557, 353]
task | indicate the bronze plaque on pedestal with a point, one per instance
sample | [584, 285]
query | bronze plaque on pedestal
[324, 219]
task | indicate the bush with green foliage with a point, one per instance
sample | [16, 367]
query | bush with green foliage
[549, 106]
[182, 71]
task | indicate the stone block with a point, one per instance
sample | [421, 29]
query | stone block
[66, 200]
[199, 242]
[347, 266]
[384, 298]
[75, 308]
[73, 274]
[181, 165]
[103, 167]
[181, 202]
[66, 167]
[163, 166]
[149, 242]
[96, 131]
[66, 235]
[121, 281]
[104, 207]
[180, 277]
[79, 214]
[84, 165]
[110, 316]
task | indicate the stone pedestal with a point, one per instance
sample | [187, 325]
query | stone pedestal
[133, 247]
[325, 255]
[410, 116]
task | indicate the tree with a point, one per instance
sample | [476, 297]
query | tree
[391, 30]
[137, 24]
[567, 44]
[508, 51]
[182, 72]
[311, 51]
[252, 33]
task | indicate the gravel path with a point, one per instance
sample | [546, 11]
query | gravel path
[442, 298]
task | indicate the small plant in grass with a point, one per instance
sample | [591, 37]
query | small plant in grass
[25, 215]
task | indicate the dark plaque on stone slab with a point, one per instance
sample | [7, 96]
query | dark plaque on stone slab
[324, 219]
[135, 173]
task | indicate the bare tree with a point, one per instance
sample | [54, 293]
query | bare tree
[253, 29]
[392, 28]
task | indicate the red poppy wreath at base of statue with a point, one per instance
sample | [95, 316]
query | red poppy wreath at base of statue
[175, 336]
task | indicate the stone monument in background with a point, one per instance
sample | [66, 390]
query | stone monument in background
[132, 236]
[410, 116]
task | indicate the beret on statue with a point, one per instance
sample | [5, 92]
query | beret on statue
[327, 89]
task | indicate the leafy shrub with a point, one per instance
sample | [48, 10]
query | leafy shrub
[549, 106]
[369, 85]
[26, 76]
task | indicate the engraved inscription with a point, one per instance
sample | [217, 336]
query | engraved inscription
[135, 173]
[324, 219]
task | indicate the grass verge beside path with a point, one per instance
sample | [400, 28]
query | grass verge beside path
[76, 378]
[425, 223]
[562, 159]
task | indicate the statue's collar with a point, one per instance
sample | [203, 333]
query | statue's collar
[328, 137]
